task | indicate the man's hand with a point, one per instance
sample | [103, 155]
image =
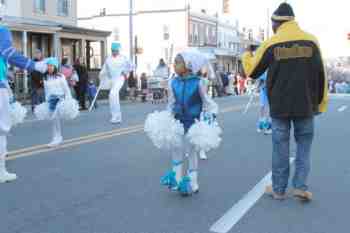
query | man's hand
[40, 66]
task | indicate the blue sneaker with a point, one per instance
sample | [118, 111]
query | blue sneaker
[169, 180]
[267, 128]
[185, 187]
[261, 125]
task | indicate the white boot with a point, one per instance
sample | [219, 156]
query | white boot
[4, 175]
[56, 141]
[202, 155]
[57, 138]
[116, 120]
[194, 181]
[178, 169]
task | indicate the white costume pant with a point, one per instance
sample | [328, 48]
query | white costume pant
[185, 160]
[5, 126]
[56, 129]
[114, 100]
[5, 118]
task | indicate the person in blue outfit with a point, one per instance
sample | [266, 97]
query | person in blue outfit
[264, 123]
[9, 55]
[187, 100]
[92, 92]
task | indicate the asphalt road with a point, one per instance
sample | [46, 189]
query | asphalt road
[105, 178]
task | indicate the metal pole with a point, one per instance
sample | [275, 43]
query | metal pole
[25, 53]
[136, 46]
[268, 24]
[131, 33]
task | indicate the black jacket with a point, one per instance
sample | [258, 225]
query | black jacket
[37, 79]
[296, 76]
[83, 75]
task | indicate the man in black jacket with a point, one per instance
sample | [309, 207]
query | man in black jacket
[296, 92]
[81, 86]
[37, 82]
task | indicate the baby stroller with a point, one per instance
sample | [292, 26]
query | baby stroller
[158, 89]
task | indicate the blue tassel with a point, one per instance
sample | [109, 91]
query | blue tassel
[169, 180]
[261, 125]
[185, 187]
[266, 125]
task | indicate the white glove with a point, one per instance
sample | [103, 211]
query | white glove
[40, 66]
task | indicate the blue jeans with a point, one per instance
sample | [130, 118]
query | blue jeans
[303, 133]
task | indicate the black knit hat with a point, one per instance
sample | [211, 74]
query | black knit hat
[283, 13]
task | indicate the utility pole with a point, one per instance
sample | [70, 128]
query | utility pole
[131, 33]
[268, 24]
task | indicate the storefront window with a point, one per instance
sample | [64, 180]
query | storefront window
[39, 6]
[63, 7]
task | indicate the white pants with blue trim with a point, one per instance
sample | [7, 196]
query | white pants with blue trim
[5, 125]
[186, 155]
[114, 100]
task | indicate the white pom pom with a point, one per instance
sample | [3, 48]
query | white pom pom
[164, 131]
[68, 109]
[18, 113]
[205, 137]
[42, 111]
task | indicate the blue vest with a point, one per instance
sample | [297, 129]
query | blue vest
[188, 102]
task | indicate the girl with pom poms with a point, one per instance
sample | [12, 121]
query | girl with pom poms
[59, 102]
[188, 99]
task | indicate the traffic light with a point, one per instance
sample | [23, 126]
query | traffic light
[349, 36]
[226, 6]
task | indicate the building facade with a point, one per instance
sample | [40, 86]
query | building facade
[51, 26]
[162, 33]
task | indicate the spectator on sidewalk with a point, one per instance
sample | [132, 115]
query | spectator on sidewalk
[91, 93]
[37, 83]
[68, 71]
[241, 85]
[132, 85]
[81, 85]
[144, 87]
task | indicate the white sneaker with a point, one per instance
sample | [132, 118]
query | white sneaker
[268, 131]
[194, 182]
[7, 177]
[55, 142]
[202, 155]
[116, 121]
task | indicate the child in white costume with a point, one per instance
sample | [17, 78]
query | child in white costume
[115, 69]
[58, 97]
[188, 99]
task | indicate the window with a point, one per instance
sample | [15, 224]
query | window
[116, 34]
[191, 33]
[39, 6]
[202, 31]
[63, 7]
[196, 34]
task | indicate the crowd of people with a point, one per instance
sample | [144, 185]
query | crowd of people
[81, 87]
[339, 87]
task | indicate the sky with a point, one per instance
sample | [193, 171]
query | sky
[328, 20]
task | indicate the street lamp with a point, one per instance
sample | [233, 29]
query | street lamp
[131, 33]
